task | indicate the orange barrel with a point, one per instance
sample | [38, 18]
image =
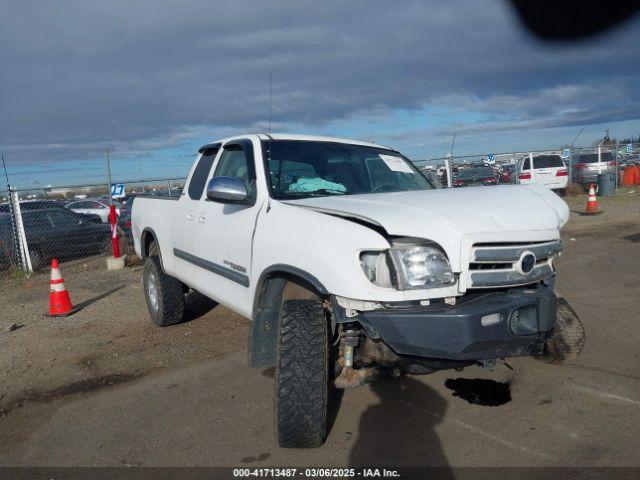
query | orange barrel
[631, 176]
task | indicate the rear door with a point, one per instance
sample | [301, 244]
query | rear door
[184, 222]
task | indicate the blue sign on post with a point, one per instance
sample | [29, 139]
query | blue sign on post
[117, 190]
[491, 158]
[629, 148]
[566, 152]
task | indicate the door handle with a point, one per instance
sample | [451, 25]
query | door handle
[202, 219]
[189, 215]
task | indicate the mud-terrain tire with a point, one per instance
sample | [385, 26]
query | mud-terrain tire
[165, 299]
[302, 375]
[568, 338]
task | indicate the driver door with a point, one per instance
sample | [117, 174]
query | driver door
[224, 231]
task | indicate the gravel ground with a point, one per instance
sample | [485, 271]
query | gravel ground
[112, 336]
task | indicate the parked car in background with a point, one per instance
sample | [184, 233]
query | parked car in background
[506, 173]
[93, 207]
[33, 205]
[586, 166]
[470, 177]
[55, 232]
[124, 220]
[27, 205]
[547, 170]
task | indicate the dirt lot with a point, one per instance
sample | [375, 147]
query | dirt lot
[106, 387]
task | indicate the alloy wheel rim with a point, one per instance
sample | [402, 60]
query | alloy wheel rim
[152, 290]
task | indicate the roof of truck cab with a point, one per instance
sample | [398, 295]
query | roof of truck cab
[308, 138]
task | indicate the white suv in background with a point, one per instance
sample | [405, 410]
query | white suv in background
[546, 170]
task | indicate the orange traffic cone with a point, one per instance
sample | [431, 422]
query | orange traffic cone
[592, 202]
[59, 300]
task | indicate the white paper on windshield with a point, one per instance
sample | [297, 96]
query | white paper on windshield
[396, 164]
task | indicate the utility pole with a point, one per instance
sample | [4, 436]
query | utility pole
[106, 159]
[140, 167]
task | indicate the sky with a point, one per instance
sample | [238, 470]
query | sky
[153, 81]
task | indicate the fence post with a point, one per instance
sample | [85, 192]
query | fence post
[447, 167]
[570, 166]
[20, 235]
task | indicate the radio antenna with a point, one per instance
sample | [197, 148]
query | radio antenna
[6, 175]
[270, 81]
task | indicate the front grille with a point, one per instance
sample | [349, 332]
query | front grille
[501, 264]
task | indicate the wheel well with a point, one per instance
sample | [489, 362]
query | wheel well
[148, 239]
[271, 292]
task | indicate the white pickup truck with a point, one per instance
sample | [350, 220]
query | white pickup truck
[350, 263]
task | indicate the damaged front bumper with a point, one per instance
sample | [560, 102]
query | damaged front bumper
[481, 326]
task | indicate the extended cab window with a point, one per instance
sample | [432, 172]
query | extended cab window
[201, 173]
[234, 163]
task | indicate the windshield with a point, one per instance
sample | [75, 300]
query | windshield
[299, 169]
[476, 173]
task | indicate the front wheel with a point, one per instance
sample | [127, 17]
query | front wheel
[302, 375]
[164, 294]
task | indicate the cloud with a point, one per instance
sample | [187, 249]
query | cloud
[142, 76]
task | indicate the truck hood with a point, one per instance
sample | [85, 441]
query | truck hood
[502, 213]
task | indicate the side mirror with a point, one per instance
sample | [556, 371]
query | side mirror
[227, 190]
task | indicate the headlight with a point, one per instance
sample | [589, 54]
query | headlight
[408, 265]
[421, 266]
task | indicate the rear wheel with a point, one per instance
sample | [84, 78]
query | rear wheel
[164, 294]
[302, 375]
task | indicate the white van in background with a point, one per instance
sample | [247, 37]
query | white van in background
[547, 170]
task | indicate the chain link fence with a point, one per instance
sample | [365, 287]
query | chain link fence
[580, 165]
[68, 223]
[71, 222]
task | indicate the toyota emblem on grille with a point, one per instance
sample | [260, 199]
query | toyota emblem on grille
[526, 263]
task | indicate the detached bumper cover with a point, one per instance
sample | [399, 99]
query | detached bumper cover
[455, 332]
